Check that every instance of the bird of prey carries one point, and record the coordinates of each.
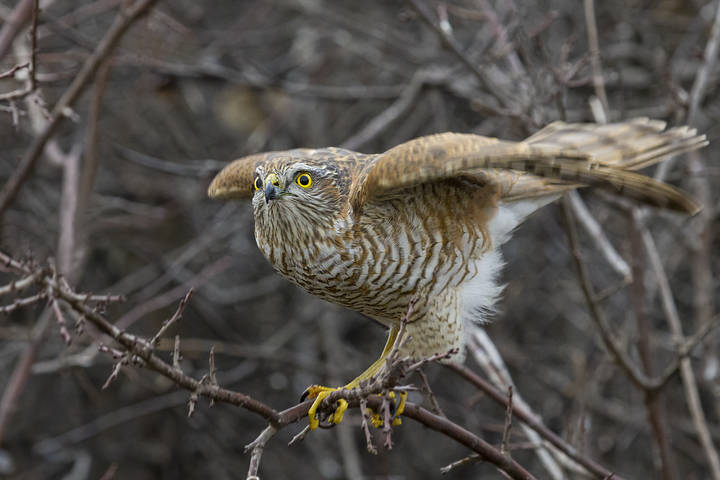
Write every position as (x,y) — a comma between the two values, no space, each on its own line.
(424,220)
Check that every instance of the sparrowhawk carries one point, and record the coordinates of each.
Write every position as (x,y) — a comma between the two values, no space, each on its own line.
(424,220)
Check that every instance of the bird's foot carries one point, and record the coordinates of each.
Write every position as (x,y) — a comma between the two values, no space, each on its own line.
(320,393)
(397,408)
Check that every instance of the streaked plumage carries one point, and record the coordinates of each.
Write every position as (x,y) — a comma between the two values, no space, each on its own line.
(425,218)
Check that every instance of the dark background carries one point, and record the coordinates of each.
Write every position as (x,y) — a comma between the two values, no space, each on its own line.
(196,84)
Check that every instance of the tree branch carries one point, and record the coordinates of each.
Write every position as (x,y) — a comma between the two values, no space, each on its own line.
(123,21)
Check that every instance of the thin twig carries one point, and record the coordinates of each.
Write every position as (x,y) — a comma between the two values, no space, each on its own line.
(175,318)
(14,69)
(212,371)
(16,286)
(697,92)
(685,348)
(527,418)
(22,302)
(655,413)
(33,45)
(397,109)
(447,38)
(686,373)
(124,19)
(300,436)
(623,360)
(592,227)
(429,393)
(13,23)
(474,458)
(68,214)
(141,348)
(499,92)
(487,355)
(60,318)
(487,452)
(176,353)
(257,446)
(699,87)
(124,414)
(139,351)
(16,384)
(505,444)
(31,84)
(594,44)
(366,428)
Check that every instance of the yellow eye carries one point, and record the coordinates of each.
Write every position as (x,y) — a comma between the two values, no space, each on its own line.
(257,183)
(304,180)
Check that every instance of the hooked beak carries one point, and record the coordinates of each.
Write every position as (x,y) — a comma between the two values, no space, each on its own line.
(272,187)
(271,192)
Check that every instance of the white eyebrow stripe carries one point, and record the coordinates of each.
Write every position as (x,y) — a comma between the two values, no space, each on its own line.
(305,166)
(299,167)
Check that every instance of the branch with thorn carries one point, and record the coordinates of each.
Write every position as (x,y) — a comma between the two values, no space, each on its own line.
(139,352)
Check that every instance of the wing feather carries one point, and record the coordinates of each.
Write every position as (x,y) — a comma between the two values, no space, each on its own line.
(557,158)
(235,180)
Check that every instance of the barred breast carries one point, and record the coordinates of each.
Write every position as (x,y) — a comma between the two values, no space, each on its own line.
(423,243)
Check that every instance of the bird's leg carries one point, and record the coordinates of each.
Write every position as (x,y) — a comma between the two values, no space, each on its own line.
(320,393)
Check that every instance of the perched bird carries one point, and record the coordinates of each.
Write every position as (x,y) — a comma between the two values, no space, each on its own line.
(424,220)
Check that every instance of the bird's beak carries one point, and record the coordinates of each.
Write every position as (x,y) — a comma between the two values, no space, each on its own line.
(272,187)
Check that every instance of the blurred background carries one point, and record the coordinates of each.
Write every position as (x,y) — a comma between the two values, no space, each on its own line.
(194,85)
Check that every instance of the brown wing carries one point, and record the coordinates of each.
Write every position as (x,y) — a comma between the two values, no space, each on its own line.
(557,158)
(235,180)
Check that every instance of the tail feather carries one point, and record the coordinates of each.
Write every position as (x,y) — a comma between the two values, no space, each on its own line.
(614,151)
(630,145)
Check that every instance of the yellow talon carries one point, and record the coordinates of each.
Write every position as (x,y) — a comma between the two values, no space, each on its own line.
(339,411)
(377,420)
(400,409)
(374,418)
(319,394)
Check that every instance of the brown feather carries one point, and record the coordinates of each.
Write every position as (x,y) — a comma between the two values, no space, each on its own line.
(424,219)
(559,157)
(235,180)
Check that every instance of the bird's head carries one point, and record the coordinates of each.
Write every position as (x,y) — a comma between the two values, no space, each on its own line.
(293,192)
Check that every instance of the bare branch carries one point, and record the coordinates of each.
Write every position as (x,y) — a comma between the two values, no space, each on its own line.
(125,18)
(592,227)
(397,109)
(22,302)
(688,377)
(594,44)
(655,411)
(498,397)
(31,83)
(14,69)
(623,360)
(703,74)
(257,446)
(19,285)
(175,318)
(19,377)
(505,444)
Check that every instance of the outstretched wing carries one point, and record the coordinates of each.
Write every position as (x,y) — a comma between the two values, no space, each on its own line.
(559,157)
(235,180)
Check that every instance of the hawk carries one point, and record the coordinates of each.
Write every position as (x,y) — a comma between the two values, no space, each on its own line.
(424,220)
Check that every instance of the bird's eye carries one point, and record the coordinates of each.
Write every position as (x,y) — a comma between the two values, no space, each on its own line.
(304,180)
(257,183)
